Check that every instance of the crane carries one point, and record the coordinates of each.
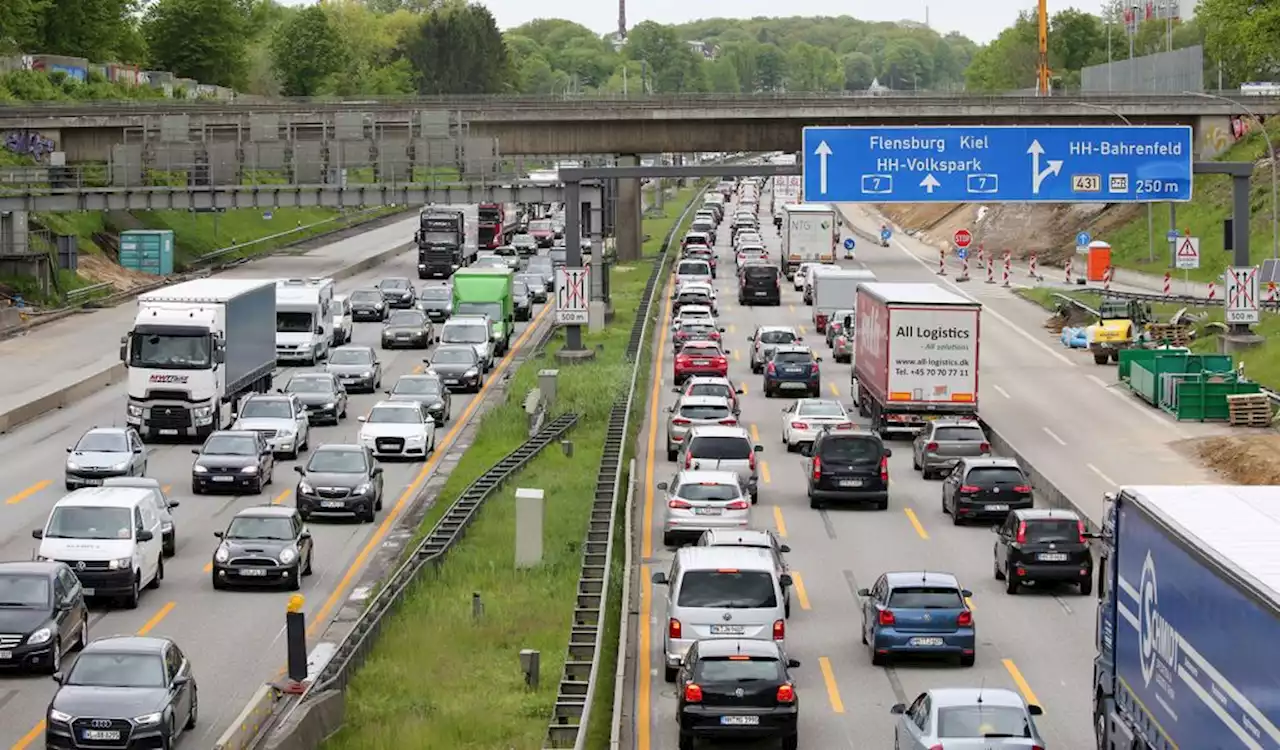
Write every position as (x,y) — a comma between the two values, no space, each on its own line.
(1042,60)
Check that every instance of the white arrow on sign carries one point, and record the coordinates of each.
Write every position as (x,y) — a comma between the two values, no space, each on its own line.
(929,183)
(1039,175)
(822,151)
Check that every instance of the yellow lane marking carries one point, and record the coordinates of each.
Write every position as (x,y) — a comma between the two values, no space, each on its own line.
(643,676)
(915,522)
(1027,693)
(284,495)
(156,618)
(646,533)
(737,356)
(733,328)
(28,492)
(835,391)
(764,473)
(166,489)
(744,389)
(755,434)
(801,594)
(803,330)
(829,678)
(791,308)
(969,601)
(778,522)
(208,567)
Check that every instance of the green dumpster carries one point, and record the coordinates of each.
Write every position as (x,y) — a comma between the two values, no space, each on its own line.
(1202,396)
(1130,356)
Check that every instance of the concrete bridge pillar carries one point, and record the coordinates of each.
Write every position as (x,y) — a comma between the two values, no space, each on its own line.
(628,213)
(14,234)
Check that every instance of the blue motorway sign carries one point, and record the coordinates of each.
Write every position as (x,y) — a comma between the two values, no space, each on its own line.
(1172,235)
(849,243)
(963,252)
(997,164)
(1083,239)
(885,234)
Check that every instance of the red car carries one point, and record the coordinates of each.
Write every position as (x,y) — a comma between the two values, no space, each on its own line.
(700,358)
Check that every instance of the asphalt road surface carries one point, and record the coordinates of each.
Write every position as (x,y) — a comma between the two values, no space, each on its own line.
(234,637)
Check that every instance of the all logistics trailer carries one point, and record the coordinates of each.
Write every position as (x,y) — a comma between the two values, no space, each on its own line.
(915,355)
(1188,618)
(195,348)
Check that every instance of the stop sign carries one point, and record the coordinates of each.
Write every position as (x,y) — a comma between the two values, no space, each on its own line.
(962,238)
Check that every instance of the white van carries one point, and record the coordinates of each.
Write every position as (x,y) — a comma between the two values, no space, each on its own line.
(342,323)
(304,320)
(112,537)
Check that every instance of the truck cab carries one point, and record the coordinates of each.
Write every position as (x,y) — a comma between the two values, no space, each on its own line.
(440,239)
(304,320)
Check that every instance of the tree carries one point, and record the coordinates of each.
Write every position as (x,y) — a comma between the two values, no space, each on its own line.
(722,77)
(1009,62)
(672,64)
(859,71)
(20,24)
(369,41)
(907,65)
(1076,40)
(458,49)
(99,30)
(201,39)
(306,50)
(811,68)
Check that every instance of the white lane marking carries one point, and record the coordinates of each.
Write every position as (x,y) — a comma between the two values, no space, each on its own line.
(1001,391)
(1102,476)
(987,310)
(1149,413)
(1057,439)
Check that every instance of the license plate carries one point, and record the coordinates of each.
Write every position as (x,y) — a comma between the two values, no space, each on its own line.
(850,482)
(6,655)
(706,511)
(101,734)
(701,362)
(87,591)
(997,506)
(332,504)
(926,641)
(91,482)
(1052,557)
(740,721)
(224,479)
(253,572)
(759,294)
(727,630)
(451,381)
(168,432)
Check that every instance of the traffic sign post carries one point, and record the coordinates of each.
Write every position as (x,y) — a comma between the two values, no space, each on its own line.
(572,286)
(962,238)
(885,234)
(1242,295)
(998,164)
(1186,254)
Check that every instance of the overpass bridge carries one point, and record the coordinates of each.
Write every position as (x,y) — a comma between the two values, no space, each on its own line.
(87,131)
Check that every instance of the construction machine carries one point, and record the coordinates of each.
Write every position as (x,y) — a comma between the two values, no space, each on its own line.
(1122,323)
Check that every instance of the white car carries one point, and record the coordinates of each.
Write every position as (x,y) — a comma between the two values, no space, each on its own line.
(692,270)
(700,313)
(342,323)
(399,429)
(280,417)
(704,288)
(801,274)
(805,419)
(749,253)
(750,238)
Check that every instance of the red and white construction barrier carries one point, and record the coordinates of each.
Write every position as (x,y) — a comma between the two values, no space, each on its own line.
(1032,268)
(1008,267)
(1106,279)
(991,269)
(964,269)
(1168,284)
(1213,290)
(942,262)
(1067,268)
(1272,293)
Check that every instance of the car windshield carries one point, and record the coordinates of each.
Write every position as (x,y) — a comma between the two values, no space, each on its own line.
(696,329)
(728,589)
(710,389)
(106,670)
(519,288)
(394,284)
(310,385)
(266,408)
(777,337)
(739,670)
(86,522)
(435,293)
(277,528)
(453,357)
(337,462)
(464,334)
(342,356)
(704,411)
(542,262)
(416,387)
(102,442)
(19,591)
(540,226)
(709,491)
(988,476)
(530,280)
(405,318)
(365,295)
(1053,530)
(971,722)
(968,434)
(699,349)
(761,272)
(230,445)
(925,597)
(394,415)
(851,449)
(721,448)
(821,409)
(793,358)
(694,268)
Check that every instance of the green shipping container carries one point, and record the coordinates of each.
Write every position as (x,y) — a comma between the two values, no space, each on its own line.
(1202,397)
(1145,377)
(1130,357)
(147,250)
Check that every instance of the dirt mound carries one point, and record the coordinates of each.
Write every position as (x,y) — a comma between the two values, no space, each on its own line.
(1247,459)
(98,269)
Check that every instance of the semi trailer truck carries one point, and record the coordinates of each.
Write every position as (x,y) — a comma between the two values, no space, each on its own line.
(809,232)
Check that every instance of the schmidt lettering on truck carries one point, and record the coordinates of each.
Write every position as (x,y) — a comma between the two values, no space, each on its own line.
(915,355)
(1188,619)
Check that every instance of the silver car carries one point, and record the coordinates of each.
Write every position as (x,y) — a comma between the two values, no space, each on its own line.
(755,539)
(474,331)
(701,500)
(979,718)
(942,443)
(766,339)
(694,411)
(712,386)
(356,367)
(105,452)
(723,448)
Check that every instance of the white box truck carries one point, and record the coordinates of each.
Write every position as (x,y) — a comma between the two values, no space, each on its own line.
(808,234)
(836,289)
(304,320)
(915,355)
(195,348)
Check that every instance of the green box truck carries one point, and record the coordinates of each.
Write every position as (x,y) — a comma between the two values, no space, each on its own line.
(487,291)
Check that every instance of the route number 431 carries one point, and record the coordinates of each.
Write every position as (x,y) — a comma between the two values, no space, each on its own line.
(1086,183)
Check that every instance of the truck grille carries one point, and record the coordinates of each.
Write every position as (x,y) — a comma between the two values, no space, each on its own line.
(169,418)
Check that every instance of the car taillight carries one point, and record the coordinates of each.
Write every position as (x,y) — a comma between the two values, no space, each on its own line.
(674,629)
(820,319)
(721,362)
(1080,529)
(692,693)
(739,505)
(799,425)
(779,630)
(968,489)
(772,370)
(884,470)
(964,619)
(813,368)
(931,447)
(751,460)
(682,360)
(688,460)
(1024,489)
(729,421)
(786,693)
(681,421)
(817,468)
(676,502)
(887,618)
(984,447)
(1022,533)
(715,336)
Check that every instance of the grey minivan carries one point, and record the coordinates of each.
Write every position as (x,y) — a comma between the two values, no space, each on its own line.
(723,448)
(721,592)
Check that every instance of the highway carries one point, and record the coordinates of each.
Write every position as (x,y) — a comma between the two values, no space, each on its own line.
(234,638)
(1048,404)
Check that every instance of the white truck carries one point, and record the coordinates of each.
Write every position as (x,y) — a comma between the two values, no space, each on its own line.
(808,233)
(836,289)
(304,320)
(471,246)
(195,348)
(915,355)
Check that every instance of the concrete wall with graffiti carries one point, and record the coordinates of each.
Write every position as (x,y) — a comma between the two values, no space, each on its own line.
(1216,134)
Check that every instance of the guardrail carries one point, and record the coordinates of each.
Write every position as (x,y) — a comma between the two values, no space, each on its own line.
(344,217)
(76,296)
(571,714)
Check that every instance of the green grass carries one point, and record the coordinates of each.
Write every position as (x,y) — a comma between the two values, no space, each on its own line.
(1261,363)
(1130,243)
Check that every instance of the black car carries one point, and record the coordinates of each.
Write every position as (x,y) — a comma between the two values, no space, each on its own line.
(1043,545)
(436,302)
(537,287)
(323,396)
(266,545)
(544,267)
(367,305)
(760,284)
(340,480)
(427,389)
(125,691)
(522,300)
(397,292)
(525,244)
(985,489)
(458,366)
(739,690)
(42,615)
(691,296)
(845,466)
(407,329)
(236,461)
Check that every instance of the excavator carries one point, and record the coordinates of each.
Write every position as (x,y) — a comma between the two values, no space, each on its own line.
(1122,323)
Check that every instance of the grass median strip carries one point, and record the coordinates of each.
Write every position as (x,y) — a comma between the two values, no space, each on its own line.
(441,678)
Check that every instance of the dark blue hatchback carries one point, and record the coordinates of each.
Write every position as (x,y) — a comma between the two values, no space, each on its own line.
(792,370)
(919,613)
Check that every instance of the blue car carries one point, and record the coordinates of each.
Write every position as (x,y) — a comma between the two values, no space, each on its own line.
(792,370)
(918,613)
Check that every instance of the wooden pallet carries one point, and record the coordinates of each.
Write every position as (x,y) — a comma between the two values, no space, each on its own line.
(1249,410)
(1174,335)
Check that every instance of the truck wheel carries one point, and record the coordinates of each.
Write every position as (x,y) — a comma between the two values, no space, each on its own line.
(1100,358)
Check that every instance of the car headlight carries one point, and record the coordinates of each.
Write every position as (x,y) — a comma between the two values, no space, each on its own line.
(330,405)
(133,410)
(287,556)
(148,719)
(40,636)
(199,469)
(364,489)
(42,558)
(58,716)
(73,466)
(305,488)
(166,526)
(249,470)
(471,373)
(120,466)
(287,434)
(222,555)
(121,564)
(366,374)
(377,306)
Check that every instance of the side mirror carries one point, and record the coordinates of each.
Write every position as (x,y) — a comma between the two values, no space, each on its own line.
(195,451)
(1035,710)
(56,677)
(817,359)
(219,356)
(319,329)
(181,680)
(785,579)
(300,471)
(739,391)
(721,330)
(799,339)
(173,504)
(63,605)
(662,486)
(377,471)
(966,593)
(70,449)
(784,548)
(306,534)
(387,392)
(888,452)
(145,536)
(898,708)
(758,449)
(675,389)
(864,592)
(218,534)
(37,533)
(995,529)
(138,449)
(660,578)
(360,418)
